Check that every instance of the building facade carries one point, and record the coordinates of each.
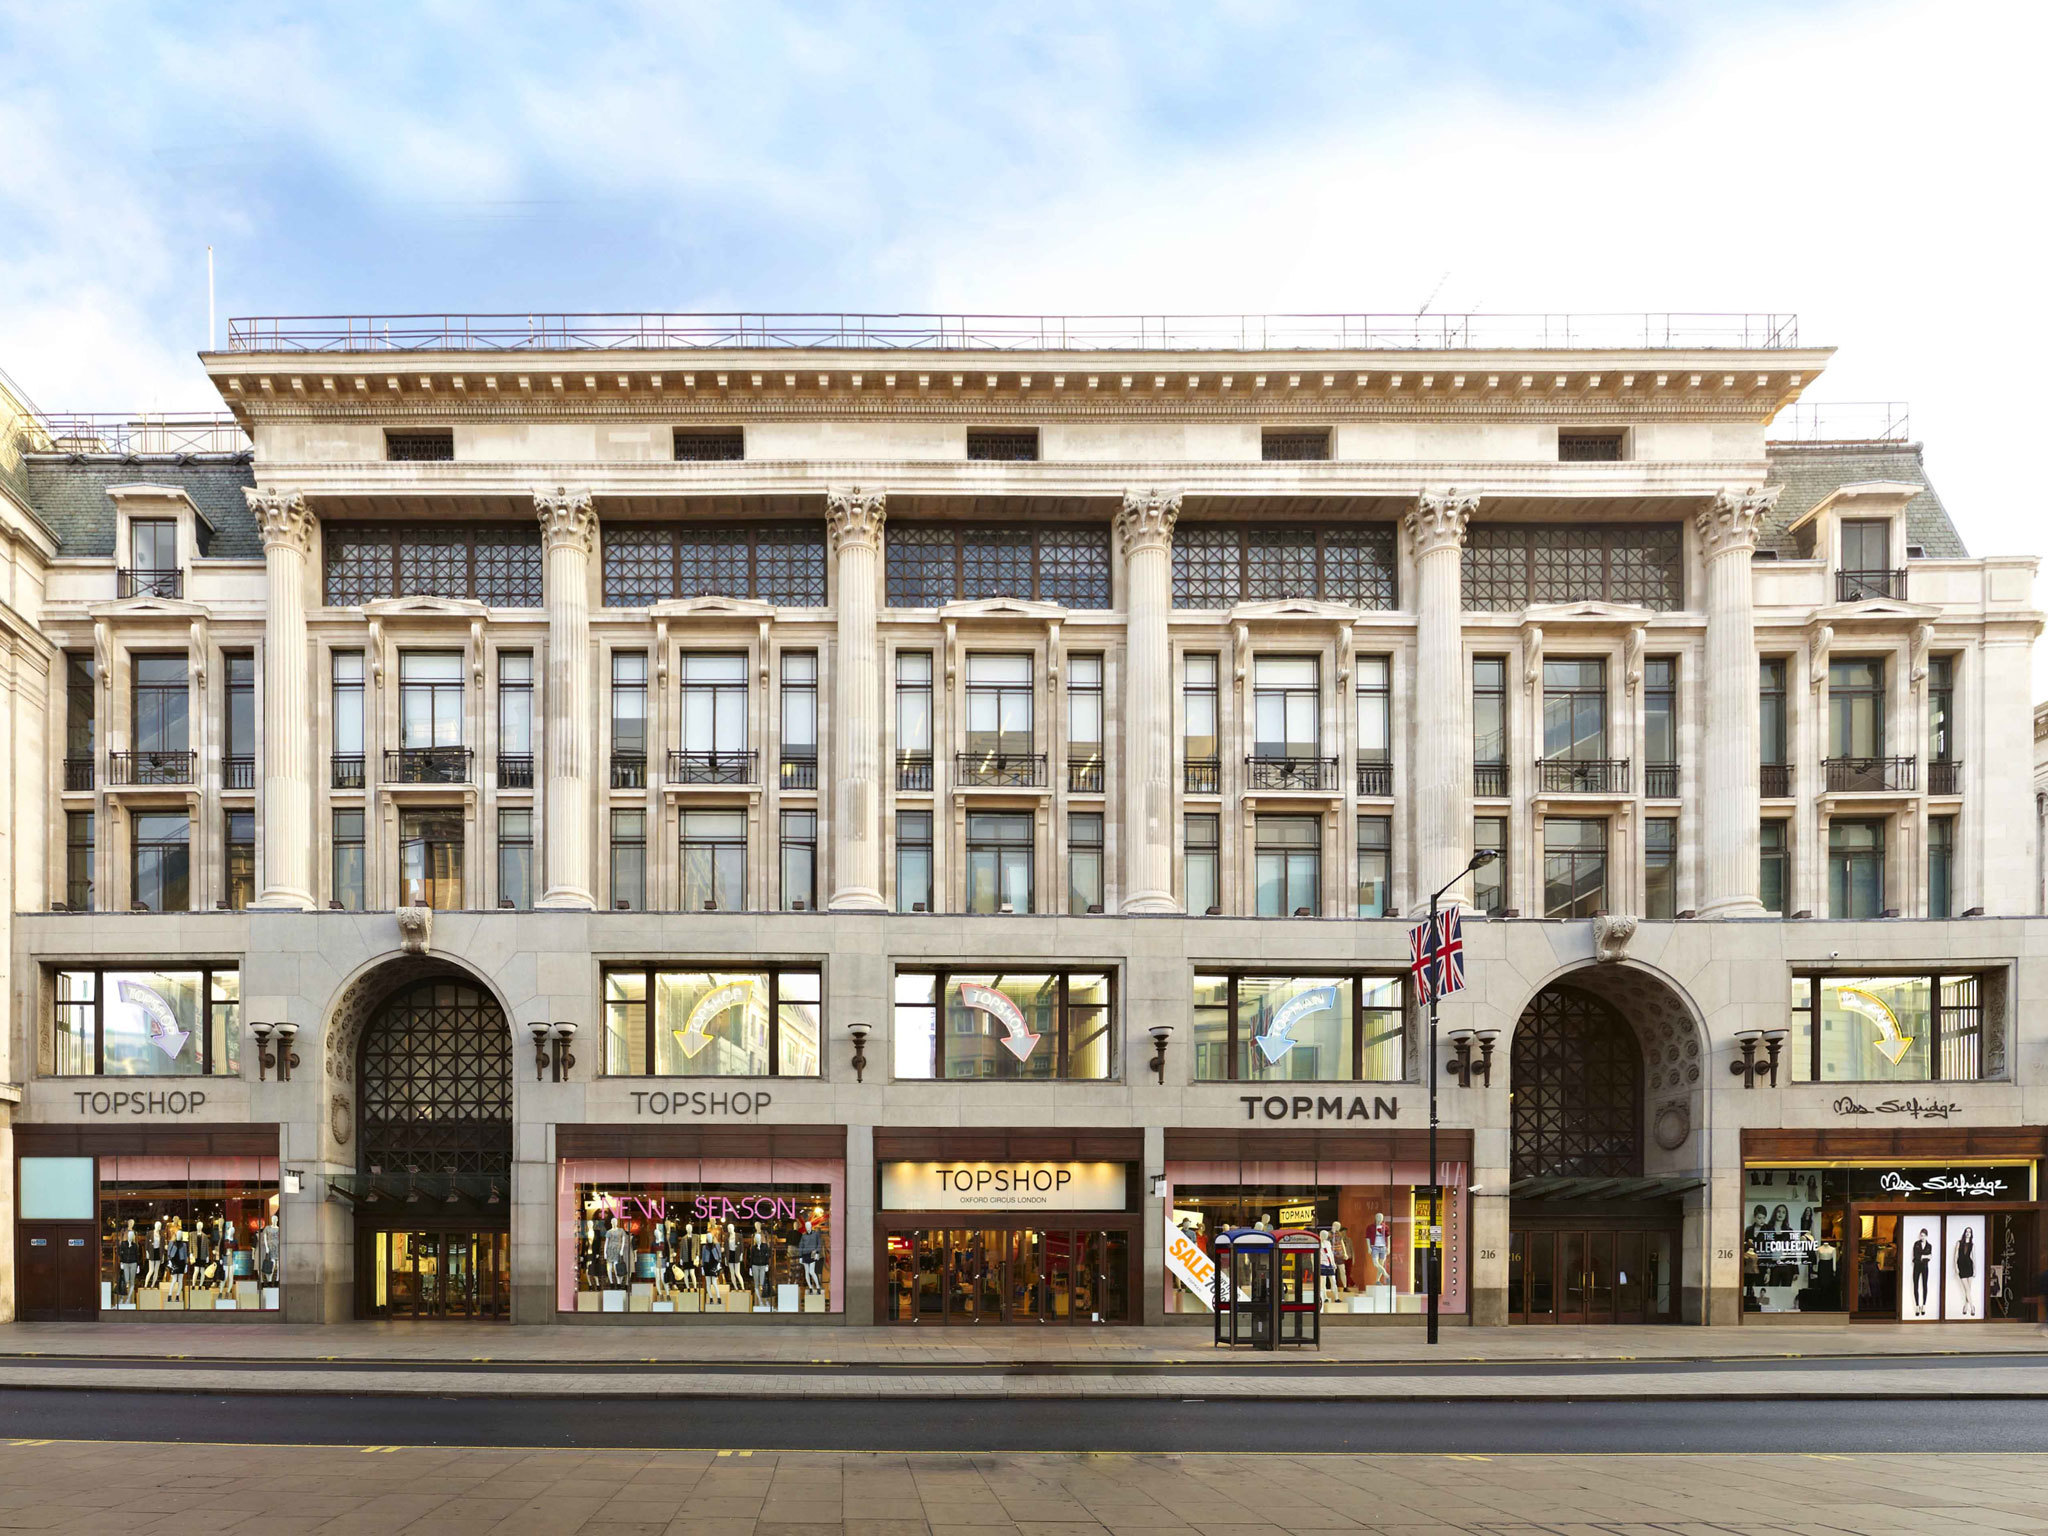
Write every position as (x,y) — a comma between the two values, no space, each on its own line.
(568,825)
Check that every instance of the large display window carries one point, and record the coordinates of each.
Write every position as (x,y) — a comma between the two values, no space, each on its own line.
(1294,1028)
(668,1023)
(1005,1025)
(146,1023)
(189,1234)
(1886,1029)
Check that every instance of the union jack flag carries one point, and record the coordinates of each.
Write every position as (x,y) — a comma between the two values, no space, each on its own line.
(1436,956)
(1422,960)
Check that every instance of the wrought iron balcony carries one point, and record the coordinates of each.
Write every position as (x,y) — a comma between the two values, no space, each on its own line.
(714,767)
(427,765)
(629,770)
(1660,781)
(1084,775)
(1871,775)
(1375,777)
(1774,781)
(1945,778)
(1489,780)
(77,773)
(515,770)
(914,770)
(347,770)
(799,770)
(129,582)
(1000,770)
(1204,776)
(1291,772)
(1583,775)
(1859,586)
(126,768)
(240,773)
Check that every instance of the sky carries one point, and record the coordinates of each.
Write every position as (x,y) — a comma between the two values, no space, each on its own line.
(1874,168)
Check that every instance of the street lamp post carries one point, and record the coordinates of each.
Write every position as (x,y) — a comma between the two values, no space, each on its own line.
(1437,1202)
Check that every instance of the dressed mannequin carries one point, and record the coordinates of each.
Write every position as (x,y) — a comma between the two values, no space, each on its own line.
(1340,1243)
(710,1262)
(202,1253)
(1327,1261)
(685,1258)
(658,1245)
(224,1245)
(177,1259)
(266,1253)
(810,1252)
(155,1273)
(128,1256)
(735,1260)
(618,1255)
(760,1259)
(1377,1244)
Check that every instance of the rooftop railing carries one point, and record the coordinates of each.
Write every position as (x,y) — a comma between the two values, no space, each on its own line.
(123,435)
(1006,333)
(1843,421)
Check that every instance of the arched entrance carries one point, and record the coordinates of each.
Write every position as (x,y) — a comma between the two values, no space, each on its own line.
(434,1154)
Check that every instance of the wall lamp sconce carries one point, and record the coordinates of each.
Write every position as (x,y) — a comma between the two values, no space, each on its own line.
(1464,1066)
(859,1032)
(551,1053)
(1749,1069)
(274,1050)
(1161,1033)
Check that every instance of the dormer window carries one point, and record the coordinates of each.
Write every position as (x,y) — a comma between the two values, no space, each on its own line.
(1866,568)
(153,559)
(420,447)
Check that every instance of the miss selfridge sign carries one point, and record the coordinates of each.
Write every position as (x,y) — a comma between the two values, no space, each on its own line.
(945,1186)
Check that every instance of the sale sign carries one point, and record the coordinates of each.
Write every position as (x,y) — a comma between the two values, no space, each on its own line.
(1192,1267)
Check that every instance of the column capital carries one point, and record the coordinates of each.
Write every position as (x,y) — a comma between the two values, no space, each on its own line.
(1147,519)
(854,515)
(281,516)
(1439,519)
(566,519)
(1728,524)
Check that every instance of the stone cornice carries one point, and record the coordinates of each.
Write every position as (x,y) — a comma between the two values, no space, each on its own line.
(1146,520)
(281,516)
(566,519)
(854,516)
(1728,524)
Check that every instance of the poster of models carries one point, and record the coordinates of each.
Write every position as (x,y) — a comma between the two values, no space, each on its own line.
(1920,1259)
(1962,1270)
(1786,1264)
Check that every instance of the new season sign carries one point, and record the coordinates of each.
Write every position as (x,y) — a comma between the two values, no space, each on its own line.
(1003,1186)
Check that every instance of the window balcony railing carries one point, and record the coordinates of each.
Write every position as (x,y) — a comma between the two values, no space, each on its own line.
(1204,776)
(1489,780)
(999,770)
(629,770)
(124,768)
(1871,775)
(139,583)
(1660,781)
(1944,778)
(1583,775)
(77,773)
(515,770)
(347,770)
(714,767)
(914,771)
(1085,775)
(1774,781)
(1291,772)
(799,770)
(1375,778)
(427,765)
(240,773)
(1859,586)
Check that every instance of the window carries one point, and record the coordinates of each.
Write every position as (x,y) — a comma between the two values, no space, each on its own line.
(1375,728)
(515,720)
(1287,866)
(799,719)
(629,860)
(1489,725)
(799,861)
(1328,1029)
(1660,727)
(1201,745)
(162,872)
(1575,709)
(1574,867)
(351,874)
(1292,443)
(710,445)
(1590,447)
(1203,856)
(712,1023)
(1221,565)
(1660,868)
(1886,1029)
(78,860)
(1287,707)
(153,547)
(241,859)
(1375,864)
(1512,565)
(426,447)
(161,703)
(1941,865)
(1856,708)
(430,858)
(913,861)
(714,861)
(714,720)
(496,565)
(1772,735)
(1084,725)
(240,689)
(1855,868)
(515,859)
(147,1023)
(1941,718)
(629,719)
(1774,875)
(429,699)
(927,567)
(999,859)
(999,706)
(1004,1025)
(346,685)
(766,563)
(914,720)
(81,719)
(1490,881)
(1084,863)
(1011,447)
(1867,547)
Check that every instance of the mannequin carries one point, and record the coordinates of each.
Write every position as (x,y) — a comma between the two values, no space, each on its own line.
(155,1274)
(735,1260)
(685,1256)
(1340,1243)
(177,1259)
(810,1252)
(1378,1244)
(202,1253)
(710,1263)
(1326,1261)
(224,1246)
(760,1259)
(618,1255)
(658,1244)
(128,1255)
(266,1253)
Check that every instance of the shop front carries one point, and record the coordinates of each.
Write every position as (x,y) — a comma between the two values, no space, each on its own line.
(1367,1195)
(1007,1227)
(1925,1225)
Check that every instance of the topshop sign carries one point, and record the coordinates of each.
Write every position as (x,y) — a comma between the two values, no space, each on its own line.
(1004,1186)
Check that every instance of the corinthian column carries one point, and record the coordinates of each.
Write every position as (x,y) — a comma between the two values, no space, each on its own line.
(1442,794)
(287,711)
(1145,530)
(1728,787)
(853,519)
(568,530)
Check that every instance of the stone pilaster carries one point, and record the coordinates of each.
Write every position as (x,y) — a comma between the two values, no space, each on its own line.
(568,529)
(1443,741)
(1727,528)
(288,841)
(1145,532)
(853,521)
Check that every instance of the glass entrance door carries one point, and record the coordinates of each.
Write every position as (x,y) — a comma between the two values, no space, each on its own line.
(1000,1275)
(443,1273)
(1591,1275)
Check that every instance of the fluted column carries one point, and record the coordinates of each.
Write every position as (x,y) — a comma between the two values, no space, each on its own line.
(853,519)
(1442,795)
(1145,531)
(1728,779)
(568,530)
(287,710)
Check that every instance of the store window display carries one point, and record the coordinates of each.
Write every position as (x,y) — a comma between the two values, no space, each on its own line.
(142,1023)
(182,1234)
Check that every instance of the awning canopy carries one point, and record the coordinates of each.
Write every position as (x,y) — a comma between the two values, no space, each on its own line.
(1582,1187)
(422,1194)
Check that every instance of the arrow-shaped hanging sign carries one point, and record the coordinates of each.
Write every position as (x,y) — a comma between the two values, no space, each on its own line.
(1892,1041)
(695,1033)
(164,1033)
(1276,1041)
(1017,1036)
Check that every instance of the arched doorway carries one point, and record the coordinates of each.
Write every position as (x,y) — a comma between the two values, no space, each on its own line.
(434,1154)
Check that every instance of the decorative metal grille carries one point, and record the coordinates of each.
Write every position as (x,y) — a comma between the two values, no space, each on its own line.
(1014,447)
(711,445)
(919,567)
(1578,1090)
(928,567)
(712,563)
(994,563)
(789,567)
(1280,564)
(434,1082)
(1511,566)
(1215,567)
(420,446)
(500,566)
(1206,567)
(1275,446)
(775,564)
(1073,567)
(1589,447)
(1358,566)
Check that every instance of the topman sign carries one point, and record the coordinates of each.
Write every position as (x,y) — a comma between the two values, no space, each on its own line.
(1320,1106)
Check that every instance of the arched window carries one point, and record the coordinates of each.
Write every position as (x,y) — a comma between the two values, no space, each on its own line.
(434,1083)
(1578,1090)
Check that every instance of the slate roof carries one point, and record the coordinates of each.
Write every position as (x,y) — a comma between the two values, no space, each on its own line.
(71,496)
(1808,471)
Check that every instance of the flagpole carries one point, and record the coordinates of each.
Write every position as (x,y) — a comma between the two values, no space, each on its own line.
(1433,1250)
